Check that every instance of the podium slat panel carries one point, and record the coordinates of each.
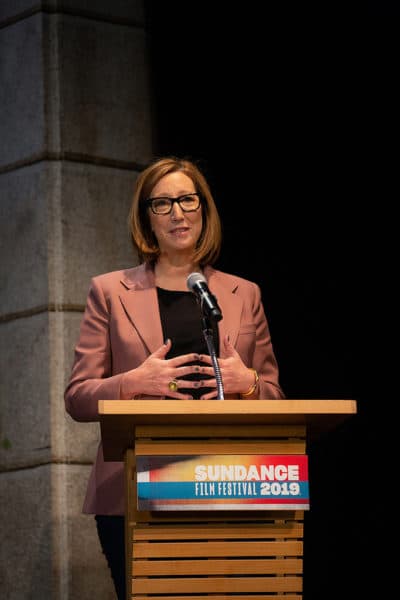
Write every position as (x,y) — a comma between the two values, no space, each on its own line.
(207,517)
(227,431)
(273,595)
(217,584)
(239,566)
(215,531)
(223,446)
(216,548)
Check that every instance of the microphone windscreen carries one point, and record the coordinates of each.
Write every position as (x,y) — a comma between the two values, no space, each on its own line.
(194,278)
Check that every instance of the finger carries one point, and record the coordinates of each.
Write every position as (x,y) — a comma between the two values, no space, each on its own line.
(194,369)
(229,348)
(177,394)
(209,396)
(183,359)
(163,350)
(205,358)
(209,383)
(184,397)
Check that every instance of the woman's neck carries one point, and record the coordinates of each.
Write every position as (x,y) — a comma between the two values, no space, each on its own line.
(173,276)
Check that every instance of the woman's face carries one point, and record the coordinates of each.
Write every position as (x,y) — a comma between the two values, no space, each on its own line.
(178,231)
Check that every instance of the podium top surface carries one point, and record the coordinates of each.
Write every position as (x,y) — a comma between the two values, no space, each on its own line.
(118,418)
(225,411)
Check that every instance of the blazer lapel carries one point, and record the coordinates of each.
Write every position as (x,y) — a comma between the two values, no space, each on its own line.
(231,305)
(141,306)
(139,299)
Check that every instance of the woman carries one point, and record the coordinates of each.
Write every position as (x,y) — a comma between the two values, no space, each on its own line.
(142,332)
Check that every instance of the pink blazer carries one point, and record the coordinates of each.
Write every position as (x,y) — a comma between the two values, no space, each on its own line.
(121,327)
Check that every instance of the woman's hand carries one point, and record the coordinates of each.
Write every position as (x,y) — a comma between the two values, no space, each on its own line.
(236,377)
(154,375)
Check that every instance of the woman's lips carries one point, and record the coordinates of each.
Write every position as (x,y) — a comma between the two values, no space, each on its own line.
(179,231)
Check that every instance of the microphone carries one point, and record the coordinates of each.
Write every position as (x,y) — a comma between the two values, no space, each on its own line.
(197,283)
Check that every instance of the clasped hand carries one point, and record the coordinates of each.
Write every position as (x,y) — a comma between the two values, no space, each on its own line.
(154,375)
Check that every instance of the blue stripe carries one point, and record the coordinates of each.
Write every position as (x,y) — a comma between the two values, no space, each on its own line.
(189,490)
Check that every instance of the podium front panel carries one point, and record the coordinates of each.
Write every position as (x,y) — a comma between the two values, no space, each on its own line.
(241,554)
(213,554)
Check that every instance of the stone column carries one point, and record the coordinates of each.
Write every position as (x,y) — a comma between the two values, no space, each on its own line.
(75,128)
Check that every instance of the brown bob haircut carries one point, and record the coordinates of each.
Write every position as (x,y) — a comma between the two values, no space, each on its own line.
(143,238)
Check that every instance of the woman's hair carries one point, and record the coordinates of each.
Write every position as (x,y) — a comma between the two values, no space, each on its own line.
(143,238)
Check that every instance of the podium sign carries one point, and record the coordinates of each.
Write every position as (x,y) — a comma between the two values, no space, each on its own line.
(222,482)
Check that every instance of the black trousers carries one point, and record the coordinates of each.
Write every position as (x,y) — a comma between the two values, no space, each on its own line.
(111,532)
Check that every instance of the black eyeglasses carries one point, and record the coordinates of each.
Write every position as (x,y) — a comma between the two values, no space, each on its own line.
(163,205)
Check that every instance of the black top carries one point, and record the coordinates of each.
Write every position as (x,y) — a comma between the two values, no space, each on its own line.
(181,321)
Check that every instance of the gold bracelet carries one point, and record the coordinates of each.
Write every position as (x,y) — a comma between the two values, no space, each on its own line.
(252,388)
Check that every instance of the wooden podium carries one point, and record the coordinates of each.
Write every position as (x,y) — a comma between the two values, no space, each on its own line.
(213,554)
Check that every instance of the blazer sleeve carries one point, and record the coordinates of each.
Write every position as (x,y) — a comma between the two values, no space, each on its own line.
(264,360)
(91,377)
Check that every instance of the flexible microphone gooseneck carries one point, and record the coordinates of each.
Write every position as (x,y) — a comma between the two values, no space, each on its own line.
(197,283)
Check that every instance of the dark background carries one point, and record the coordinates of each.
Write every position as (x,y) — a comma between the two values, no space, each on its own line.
(286,115)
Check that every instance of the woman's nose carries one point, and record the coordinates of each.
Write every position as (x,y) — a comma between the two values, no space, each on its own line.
(176,211)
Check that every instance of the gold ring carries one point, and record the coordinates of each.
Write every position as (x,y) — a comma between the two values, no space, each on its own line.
(173,385)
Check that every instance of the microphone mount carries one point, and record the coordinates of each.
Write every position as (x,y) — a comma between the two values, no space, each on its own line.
(211,312)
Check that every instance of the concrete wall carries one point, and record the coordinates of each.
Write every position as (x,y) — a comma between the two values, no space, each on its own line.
(75,128)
